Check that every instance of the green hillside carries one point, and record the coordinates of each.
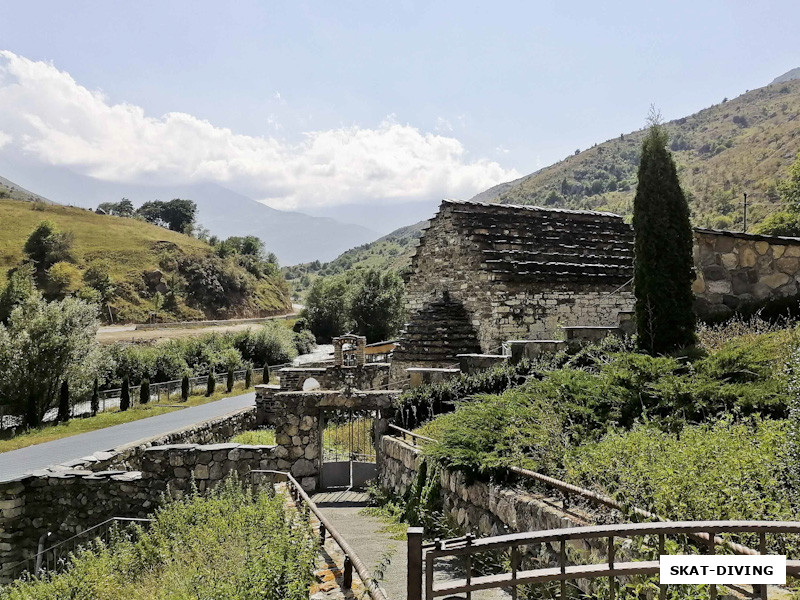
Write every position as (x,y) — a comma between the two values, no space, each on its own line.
(741,145)
(391,252)
(152,269)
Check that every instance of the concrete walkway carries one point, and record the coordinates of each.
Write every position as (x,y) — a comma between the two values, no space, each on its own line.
(19,462)
(364,534)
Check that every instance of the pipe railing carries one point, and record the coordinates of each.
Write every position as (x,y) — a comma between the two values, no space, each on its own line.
(351,561)
(51,558)
(410,434)
(467,546)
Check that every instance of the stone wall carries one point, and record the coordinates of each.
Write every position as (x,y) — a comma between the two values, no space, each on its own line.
(736,270)
(66,503)
(296,419)
(334,377)
(181,464)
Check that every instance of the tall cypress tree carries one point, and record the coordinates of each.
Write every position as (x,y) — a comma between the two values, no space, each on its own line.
(144,391)
(95,402)
(125,395)
(63,403)
(663,266)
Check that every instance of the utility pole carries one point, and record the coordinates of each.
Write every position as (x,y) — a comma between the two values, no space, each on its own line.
(745,213)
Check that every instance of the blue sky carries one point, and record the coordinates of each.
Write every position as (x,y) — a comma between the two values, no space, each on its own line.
(364,101)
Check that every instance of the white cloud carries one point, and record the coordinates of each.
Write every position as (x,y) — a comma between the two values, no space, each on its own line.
(48,116)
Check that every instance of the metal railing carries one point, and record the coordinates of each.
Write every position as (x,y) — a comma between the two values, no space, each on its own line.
(405,433)
(351,560)
(56,557)
(467,547)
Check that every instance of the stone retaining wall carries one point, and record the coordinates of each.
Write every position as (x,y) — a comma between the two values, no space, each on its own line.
(180,464)
(740,269)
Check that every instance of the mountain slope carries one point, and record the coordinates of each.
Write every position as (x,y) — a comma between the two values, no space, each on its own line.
(742,145)
(9,189)
(294,237)
(392,252)
(143,261)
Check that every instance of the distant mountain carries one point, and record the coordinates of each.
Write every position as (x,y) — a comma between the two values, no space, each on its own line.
(741,145)
(293,236)
(383,216)
(9,189)
(788,76)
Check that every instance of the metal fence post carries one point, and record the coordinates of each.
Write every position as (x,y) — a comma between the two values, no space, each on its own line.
(414,573)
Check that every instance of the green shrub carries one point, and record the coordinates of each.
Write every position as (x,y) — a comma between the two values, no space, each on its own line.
(248,378)
(211,384)
(185,388)
(232,544)
(725,470)
(125,395)
(144,391)
(229,381)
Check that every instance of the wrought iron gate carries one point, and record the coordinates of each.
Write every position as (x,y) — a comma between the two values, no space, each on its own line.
(348,447)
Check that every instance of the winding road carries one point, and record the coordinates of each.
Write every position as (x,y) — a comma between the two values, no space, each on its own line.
(16,463)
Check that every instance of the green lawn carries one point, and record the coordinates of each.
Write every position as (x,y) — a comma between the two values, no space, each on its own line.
(48,433)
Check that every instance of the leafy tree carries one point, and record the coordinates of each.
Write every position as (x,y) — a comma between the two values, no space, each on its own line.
(125,208)
(63,403)
(19,287)
(98,277)
(185,388)
(95,402)
(789,188)
(43,344)
(211,384)
(125,395)
(144,391)
(179,215)
(327,307)
(46,246)
(63,278)
(663,265)
(377,307)
(152,212)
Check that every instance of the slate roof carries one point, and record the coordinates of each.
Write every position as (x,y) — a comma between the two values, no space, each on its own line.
(535,244)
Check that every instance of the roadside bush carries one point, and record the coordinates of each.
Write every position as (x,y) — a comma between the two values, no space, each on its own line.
(233,543)
(725,470)
(304,341)
(211,384)
(144,391)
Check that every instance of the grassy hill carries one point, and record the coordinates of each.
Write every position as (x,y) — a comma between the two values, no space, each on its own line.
(741,145)
(391,252)
(145,262)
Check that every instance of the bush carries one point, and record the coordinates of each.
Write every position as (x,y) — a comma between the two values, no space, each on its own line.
(701,474)
(144,391)
(95,401)
(233,544)
(211,384)
(304,341)
(125,395)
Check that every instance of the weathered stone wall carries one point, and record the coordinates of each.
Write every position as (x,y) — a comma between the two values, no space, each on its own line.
(483,508)
(364,377)
(740,269)
(179,465)
(66,503)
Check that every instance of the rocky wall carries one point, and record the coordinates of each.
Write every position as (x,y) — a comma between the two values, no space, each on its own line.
(736,270)
(181,464)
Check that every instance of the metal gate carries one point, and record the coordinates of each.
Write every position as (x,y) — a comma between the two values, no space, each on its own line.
(348,447)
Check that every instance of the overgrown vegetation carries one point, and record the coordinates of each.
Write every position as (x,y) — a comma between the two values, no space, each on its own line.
(233,543)
(135,270)
(366,302)
(704,436)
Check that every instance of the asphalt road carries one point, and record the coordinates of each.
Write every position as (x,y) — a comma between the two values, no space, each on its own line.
(19,462)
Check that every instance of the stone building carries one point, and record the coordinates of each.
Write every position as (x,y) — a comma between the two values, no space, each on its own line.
(484,274)
(487,273)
